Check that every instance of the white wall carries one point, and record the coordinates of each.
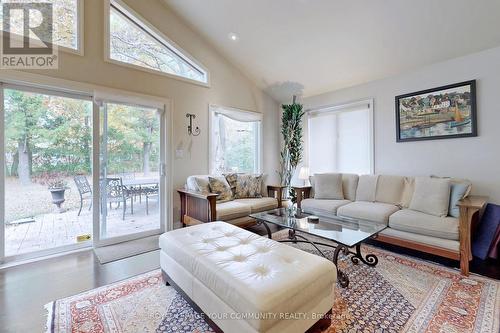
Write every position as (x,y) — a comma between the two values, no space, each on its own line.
(229,87)
(477,159)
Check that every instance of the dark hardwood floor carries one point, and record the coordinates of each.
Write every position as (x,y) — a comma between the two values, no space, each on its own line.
(25,289)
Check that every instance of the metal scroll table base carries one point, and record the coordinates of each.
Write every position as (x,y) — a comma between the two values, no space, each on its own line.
(356,256)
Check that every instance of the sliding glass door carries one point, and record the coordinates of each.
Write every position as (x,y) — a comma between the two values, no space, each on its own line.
(131,173)
(50,198)
(47,147)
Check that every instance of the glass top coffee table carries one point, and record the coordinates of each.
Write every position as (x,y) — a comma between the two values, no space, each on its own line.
(347,233)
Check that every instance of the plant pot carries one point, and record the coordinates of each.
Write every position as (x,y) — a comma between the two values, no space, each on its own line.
(58,196)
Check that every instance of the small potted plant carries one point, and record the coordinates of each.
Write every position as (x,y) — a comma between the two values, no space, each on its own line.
(57,186)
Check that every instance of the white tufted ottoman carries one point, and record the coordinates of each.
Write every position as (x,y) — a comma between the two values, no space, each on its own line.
(247,283)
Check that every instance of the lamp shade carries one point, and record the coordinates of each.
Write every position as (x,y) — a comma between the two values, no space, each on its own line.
(304,173)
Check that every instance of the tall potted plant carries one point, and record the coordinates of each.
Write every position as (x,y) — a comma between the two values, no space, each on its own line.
(291,153)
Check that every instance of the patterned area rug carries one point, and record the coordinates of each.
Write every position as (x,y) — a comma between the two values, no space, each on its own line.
(400,294)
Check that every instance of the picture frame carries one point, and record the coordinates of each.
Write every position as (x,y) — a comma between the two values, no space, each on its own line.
(444,112)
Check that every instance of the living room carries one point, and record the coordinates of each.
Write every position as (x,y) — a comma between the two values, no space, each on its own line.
(249,166)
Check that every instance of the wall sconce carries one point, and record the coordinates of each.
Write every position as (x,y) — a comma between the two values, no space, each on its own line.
(196,131)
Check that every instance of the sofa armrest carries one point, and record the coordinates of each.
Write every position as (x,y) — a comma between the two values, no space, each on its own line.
(302,192)
(276,191)
(471,209)
(197,207)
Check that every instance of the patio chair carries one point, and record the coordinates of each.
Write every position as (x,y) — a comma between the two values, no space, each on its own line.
(135,191)
(151,192)
(83,186)
(117,193)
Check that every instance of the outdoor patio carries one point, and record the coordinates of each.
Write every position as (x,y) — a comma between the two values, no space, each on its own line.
(54,229)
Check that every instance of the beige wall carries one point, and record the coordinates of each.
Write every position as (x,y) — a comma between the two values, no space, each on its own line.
(477,159)
(229,87)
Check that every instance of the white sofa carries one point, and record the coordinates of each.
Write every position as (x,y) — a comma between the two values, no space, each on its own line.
(386,199)
(199,205)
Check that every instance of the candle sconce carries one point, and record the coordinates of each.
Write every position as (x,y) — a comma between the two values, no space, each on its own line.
(197,130)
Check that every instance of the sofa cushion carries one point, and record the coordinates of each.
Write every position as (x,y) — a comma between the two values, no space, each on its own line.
(322,207)
(408,189)
(371,211)
(220,186)
(448,244)
(459,188)
(389,189)
(367,186)
(349,185)
(328,186)
(431,196)
(259,204)
(424,224)
(232,209)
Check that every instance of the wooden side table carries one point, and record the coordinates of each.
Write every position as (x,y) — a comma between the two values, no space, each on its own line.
(276,191)
(302,192)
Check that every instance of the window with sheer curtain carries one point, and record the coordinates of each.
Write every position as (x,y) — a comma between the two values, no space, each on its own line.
(341,139)
(235,140)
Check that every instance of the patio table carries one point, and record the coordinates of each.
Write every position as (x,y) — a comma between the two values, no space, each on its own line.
(141,182)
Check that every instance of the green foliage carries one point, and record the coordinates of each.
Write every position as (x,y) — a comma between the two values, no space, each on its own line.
(129,129)
(291,130)
(58,132)
(22,114)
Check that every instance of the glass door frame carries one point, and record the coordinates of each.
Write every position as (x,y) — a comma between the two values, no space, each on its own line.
(165,195)
(45,252)
(67,88)
(2,176)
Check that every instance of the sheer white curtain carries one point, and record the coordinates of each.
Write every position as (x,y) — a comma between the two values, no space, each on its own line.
(235,140)
(341,139)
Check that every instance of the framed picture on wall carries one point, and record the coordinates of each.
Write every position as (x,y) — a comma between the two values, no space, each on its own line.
(439,113)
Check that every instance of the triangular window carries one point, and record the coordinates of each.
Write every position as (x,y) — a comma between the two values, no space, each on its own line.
(135,42)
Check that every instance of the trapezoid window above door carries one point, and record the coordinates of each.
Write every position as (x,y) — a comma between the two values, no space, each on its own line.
(133,41)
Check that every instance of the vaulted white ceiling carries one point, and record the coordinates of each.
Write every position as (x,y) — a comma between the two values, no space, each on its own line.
(324,45)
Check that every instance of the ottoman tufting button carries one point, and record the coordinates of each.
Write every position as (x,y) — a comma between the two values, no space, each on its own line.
(239,258)
(262,270)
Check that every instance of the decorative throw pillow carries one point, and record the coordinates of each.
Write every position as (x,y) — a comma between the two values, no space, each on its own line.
(328,186)
(220,186)
(431,196)
(248,186)
(367,186)
(459,190)
(232,178)
(202,184)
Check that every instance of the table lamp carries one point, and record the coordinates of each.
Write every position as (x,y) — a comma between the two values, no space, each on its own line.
(304,175)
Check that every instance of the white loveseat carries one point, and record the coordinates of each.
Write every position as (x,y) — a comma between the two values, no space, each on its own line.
(199,205)
(388,199)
